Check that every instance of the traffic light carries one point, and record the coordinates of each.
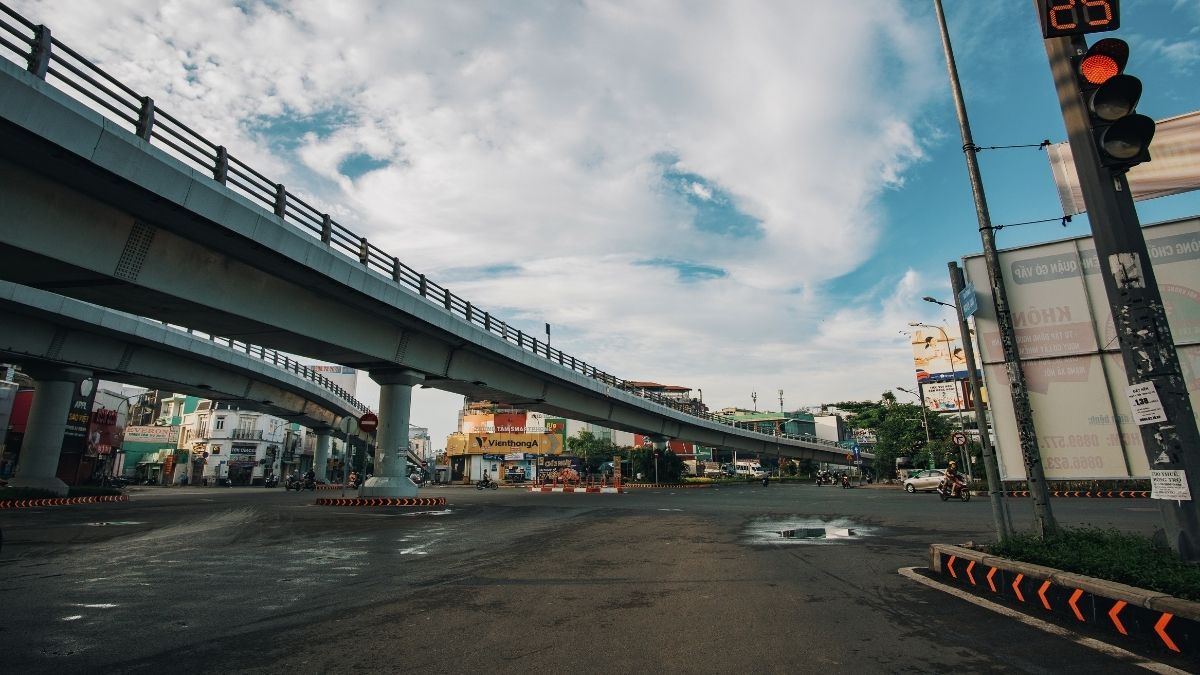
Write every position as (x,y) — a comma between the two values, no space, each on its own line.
(1122,136)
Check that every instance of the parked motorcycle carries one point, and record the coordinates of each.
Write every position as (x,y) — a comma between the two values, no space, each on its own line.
(956,490)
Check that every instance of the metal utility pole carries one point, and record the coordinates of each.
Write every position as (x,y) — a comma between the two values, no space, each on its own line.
(780,401)
(1000,516)
(1170,439)
(754,397)
(1043,515)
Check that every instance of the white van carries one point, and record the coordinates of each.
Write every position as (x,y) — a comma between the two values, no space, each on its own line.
(749,470)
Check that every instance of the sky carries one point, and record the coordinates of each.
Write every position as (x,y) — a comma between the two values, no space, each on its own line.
(739,197)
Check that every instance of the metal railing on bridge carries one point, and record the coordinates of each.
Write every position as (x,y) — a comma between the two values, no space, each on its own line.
(56,63)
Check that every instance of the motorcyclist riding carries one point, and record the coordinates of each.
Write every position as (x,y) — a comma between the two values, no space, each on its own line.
(953,479)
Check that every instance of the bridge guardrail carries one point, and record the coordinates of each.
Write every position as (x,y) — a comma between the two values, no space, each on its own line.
(277,359)
(56,63)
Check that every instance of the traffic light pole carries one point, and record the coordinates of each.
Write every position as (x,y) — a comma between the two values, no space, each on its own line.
(1147,348)
(1035,477)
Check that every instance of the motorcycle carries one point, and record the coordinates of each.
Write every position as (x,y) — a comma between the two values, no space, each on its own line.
(766,480)
(487,483)
(955,490)
(298,483)
(845,482)
(824,479)
(271,481)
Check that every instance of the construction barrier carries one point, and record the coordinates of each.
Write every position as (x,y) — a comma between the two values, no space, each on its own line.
(382,501)
(1127,612)
(60,501)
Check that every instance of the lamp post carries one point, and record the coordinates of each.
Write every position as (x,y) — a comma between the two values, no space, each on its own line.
(1000,514)
(924,416)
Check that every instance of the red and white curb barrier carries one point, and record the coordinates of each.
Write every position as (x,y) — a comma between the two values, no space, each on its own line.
(60,501)
(593,490)
(669,485)
(382,501)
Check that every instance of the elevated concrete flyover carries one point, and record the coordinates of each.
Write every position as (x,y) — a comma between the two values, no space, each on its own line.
(138,213)
(60,341)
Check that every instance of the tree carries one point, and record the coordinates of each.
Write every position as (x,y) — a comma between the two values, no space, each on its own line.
(592,449)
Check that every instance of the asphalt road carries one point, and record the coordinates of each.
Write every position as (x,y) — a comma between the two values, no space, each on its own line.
(215,580)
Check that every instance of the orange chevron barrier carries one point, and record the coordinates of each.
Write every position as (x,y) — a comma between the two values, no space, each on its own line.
(1162,622)
(381,501)
(60,501)
(1127,494)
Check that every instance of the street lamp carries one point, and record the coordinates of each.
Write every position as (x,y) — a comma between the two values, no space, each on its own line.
(924,416)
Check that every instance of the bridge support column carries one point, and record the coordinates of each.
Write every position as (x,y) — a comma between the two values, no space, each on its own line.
(391,465)
(40,450)
(321,459)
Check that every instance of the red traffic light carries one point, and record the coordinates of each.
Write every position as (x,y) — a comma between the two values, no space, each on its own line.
(1104,61)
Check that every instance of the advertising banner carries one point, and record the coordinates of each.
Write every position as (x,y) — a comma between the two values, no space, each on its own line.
(947,396)
(503,444)
(937,355)
(509,423)
(1175,165)
(478,423)
(164,435)
(1073,368)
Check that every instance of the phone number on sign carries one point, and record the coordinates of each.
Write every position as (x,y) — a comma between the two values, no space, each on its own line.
(1063,463)
(1072,441)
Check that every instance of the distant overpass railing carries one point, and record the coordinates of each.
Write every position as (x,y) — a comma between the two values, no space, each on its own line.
(277,359)
(56,63)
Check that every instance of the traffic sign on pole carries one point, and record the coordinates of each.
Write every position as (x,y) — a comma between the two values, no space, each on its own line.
(368,422)
(959,438)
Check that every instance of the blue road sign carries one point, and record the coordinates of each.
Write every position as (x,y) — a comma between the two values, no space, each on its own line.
(966,300)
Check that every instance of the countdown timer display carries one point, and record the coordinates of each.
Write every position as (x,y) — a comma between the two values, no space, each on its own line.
(1075,17)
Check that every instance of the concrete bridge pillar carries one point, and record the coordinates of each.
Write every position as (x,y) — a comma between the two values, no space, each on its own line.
(40,450)
(391,466)
(321,459)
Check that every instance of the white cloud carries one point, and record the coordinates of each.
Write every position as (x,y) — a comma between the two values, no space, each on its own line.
(527,135)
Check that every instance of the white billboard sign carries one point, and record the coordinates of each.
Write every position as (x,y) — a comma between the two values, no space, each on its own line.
(150,434)
(1078,390)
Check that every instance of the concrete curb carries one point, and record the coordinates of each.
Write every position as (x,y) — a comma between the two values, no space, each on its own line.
(686,486)
(60,501)
(1131,613)
(591,490)
(381,501)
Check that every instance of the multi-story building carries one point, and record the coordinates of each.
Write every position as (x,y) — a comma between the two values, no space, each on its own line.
(239,447)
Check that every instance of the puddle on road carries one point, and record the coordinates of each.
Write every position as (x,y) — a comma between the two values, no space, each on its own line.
(810,531)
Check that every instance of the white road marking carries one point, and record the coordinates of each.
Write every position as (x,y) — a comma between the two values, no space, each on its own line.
(1102,647)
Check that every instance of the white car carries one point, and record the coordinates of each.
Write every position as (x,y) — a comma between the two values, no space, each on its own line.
(925,480)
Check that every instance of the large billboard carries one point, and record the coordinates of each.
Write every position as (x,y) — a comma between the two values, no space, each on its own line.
(1069,352)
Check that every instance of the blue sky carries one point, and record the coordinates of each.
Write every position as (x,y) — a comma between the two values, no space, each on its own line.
(733,196)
